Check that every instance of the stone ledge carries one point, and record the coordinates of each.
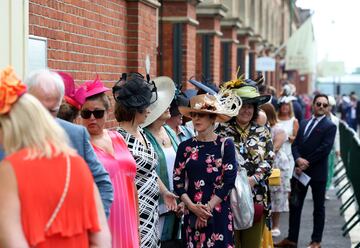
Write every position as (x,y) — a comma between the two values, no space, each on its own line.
(180,19)
(230,40)
(231,22)
(246,31)
(243,46)
(152,3)
(211,9)
(209,31)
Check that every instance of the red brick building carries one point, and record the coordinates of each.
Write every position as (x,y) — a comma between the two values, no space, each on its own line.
(184,38)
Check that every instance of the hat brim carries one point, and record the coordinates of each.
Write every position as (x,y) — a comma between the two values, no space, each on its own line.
(166,92)
(260,100)
(203,87)
(186,111)
(96,91)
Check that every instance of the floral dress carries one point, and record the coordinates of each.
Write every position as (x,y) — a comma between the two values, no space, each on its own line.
(279,194)
(255,149)
(148,188)
(208,174)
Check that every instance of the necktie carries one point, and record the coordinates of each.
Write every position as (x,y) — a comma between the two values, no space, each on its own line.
(308,130)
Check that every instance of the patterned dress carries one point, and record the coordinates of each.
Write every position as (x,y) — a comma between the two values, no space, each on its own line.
(255,155)
(208,174)
(279,194)
(148,188)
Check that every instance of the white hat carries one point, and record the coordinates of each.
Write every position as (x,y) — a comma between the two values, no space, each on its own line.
(165,94)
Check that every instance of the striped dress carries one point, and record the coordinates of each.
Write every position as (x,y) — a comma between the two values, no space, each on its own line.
(148,188)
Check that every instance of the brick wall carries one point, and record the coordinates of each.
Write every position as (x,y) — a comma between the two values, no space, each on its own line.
(84,38)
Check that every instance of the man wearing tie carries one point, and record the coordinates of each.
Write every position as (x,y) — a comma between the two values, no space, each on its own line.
(310,149)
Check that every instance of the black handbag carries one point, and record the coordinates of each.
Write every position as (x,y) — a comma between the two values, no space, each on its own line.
(175,242)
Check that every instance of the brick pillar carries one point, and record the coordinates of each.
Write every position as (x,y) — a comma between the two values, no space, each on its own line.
(208,52)
(177,36)
(229,43)
(209,14)
(142,34)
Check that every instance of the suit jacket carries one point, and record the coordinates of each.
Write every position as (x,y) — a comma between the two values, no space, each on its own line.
(315,148)
(80,141)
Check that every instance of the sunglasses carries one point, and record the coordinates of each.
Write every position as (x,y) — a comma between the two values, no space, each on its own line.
(200,115)
(98,114)
(325,105)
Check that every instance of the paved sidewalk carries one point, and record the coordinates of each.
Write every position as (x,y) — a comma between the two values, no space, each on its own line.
(332,237)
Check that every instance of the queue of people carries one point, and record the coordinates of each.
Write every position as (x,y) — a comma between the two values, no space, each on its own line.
(152,181)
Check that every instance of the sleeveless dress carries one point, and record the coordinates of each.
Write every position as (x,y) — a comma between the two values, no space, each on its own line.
(122,170)
(279,194)
(288,126)
(208,173)
(148,188)
(40,184)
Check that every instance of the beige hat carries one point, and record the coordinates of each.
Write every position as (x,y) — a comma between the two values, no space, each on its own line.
(165,91)
(224,109)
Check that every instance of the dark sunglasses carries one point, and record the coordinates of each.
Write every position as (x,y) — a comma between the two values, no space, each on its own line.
(325,105)
(200,115)
(98,114)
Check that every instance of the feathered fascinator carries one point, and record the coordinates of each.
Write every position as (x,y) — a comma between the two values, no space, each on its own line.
(74,97)
(224,105)
(11,89)
(94,87)
(246,89)
(134,92)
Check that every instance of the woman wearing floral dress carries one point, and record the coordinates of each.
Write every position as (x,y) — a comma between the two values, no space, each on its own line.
(279,193)
(210,176)
(133,95)
(255,149)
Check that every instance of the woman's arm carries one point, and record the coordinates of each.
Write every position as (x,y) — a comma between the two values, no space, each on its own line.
(11,232)
(295,130)
(169,197)
(103,237)
(279,139)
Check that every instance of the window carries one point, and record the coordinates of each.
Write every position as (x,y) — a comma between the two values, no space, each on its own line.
(226,61)
(206,56)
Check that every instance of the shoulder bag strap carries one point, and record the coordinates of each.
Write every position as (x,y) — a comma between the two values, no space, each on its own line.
(63,195)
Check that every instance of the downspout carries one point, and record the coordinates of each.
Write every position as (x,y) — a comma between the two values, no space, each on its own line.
(160,50)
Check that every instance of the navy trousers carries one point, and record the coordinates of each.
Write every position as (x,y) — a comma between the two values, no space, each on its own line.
(297,197)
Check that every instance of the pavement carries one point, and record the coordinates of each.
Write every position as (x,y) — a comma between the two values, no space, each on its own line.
(332,237)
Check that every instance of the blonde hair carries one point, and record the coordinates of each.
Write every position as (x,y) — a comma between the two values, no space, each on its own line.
(291,112)
(30,125)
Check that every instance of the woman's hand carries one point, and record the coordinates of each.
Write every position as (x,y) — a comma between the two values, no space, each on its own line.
(201,211)
(170,200)
(200,223)
(180,209)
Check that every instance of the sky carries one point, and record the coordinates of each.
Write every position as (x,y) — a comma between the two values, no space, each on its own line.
(337,30)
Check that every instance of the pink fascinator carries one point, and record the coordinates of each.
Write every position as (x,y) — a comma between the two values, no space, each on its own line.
(73,96)
(94,87)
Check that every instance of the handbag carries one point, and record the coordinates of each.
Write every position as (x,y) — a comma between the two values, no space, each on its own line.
(176,241)
(275,177)
(241,200)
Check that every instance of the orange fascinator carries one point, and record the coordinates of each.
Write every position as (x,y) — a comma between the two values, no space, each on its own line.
(11,88)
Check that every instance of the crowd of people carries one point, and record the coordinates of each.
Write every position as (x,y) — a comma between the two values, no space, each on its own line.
(163,176)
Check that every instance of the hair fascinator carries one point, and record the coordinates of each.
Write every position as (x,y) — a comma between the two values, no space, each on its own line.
(247,89)
(94,87)
(74,97)
(133,91)
(11,88)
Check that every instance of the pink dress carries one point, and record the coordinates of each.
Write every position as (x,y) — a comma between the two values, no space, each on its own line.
(123,221)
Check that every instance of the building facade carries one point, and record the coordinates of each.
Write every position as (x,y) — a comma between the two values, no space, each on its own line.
(205,39)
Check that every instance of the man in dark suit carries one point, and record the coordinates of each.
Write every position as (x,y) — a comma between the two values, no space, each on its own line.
(310,149)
